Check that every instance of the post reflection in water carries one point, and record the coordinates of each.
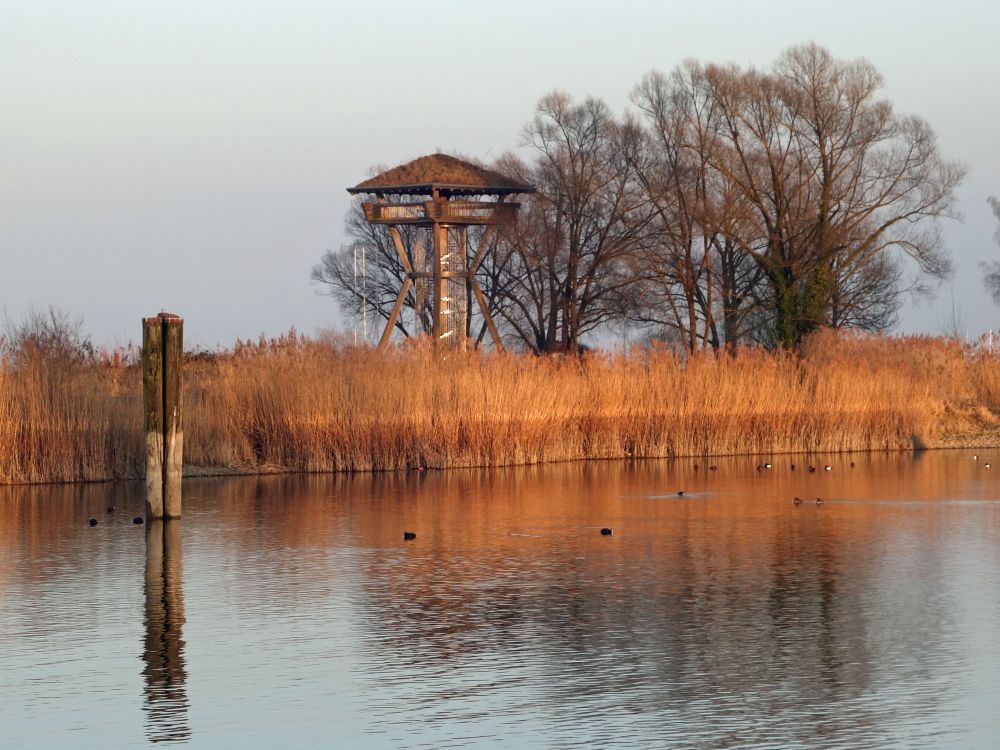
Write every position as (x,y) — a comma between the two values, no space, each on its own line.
(166,702)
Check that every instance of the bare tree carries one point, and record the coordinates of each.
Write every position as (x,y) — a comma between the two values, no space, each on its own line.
(577,231)
(789,198)
(672,171)
(365,275)
(50,344)
(865,292)
(834,177)
(693,272)
(51,336)
(991,271)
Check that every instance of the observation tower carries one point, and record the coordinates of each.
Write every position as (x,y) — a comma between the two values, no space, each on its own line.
(442,198)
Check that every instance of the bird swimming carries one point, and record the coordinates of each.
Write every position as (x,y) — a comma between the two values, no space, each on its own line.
(797,501)
(409,536)
(137,520)
(607,532)
(92,522)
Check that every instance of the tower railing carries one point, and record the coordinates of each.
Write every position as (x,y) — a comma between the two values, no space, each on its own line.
(465,212)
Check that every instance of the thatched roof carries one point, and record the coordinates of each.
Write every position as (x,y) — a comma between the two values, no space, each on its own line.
(441,172)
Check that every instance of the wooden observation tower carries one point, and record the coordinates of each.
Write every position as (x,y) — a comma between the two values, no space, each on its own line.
(441,197)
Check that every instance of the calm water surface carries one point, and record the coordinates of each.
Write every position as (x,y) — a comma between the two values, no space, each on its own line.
(288,611)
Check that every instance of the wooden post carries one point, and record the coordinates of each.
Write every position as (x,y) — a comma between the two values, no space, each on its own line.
(162,378)
(173,444)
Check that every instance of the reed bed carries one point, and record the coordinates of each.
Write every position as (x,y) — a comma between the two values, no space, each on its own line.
(296,404)
(66,421)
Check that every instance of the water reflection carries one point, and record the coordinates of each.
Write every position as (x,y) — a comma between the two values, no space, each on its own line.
(729,617)
(164,673)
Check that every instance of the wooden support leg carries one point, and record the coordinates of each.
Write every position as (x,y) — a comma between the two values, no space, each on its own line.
(484,243)
(384,341)
(397,240)
(486,314)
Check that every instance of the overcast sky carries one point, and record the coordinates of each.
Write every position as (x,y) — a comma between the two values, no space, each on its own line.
(192,156)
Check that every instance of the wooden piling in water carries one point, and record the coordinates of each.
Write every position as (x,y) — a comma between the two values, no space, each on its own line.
(162,379)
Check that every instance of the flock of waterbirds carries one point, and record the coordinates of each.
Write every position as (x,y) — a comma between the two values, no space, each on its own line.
(409,536)
(767,467)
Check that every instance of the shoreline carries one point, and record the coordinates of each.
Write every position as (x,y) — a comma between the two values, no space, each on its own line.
(982,440)
(979,441)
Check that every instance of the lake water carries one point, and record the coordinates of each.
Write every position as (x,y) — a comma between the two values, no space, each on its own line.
(289,612)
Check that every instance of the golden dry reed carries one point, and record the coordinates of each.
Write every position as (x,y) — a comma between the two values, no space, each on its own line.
(295,404)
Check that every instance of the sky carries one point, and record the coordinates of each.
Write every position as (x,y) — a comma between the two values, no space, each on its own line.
(193,156)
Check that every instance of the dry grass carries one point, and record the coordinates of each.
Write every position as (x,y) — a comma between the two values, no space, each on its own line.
(295,404)
(68,421)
